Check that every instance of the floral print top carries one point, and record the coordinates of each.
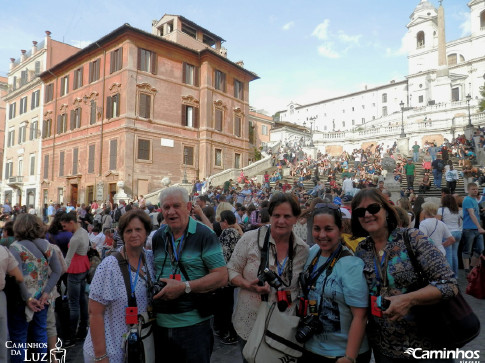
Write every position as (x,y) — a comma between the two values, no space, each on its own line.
(392,338)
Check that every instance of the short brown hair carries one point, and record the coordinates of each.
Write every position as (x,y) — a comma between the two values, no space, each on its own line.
(132,214)
(28,227)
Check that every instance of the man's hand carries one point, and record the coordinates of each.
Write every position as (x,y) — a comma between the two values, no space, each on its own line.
(172,291)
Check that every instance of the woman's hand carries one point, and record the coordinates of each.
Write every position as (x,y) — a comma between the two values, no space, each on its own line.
(34,305)
(44,299)
(399,308)
(254,287)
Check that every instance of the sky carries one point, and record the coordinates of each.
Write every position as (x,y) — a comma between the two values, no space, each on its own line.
(303,51)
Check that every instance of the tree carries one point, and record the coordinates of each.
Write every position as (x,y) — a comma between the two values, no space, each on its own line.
(481,105)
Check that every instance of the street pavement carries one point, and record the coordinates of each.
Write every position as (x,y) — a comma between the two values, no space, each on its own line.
(231,353)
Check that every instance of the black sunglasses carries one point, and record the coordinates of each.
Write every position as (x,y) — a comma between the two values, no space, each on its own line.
(373,208)
(327,205)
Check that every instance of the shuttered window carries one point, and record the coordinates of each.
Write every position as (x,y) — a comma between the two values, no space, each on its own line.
(113,154)
(92,113)
(144,149)
(92,149)
(78,78)
(113,106)
(190,116)
(190,74)
(94,67)
(147,61)
(145,103)
(64,85)
(237,126)
(220,80)
(218,119)
(116,60)
(49,92)
(61,163)
(75,155)
(188,155)
(46,166)
(238,89)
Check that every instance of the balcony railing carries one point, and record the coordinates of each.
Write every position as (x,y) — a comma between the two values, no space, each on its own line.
(15,180)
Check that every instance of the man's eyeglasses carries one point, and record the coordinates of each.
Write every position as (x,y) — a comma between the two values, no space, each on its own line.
(373,208)
(327,205)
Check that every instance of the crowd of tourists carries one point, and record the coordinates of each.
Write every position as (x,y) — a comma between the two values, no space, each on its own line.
(152,282)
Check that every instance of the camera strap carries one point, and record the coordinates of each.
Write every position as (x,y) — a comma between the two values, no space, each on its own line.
(327,266)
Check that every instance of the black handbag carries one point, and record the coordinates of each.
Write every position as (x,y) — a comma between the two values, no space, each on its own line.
(450,323)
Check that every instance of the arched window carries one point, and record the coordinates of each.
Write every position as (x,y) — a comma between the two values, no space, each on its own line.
(452,59)
(420,40)
(482,20)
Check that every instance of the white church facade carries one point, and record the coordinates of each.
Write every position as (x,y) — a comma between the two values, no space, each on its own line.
(431,103)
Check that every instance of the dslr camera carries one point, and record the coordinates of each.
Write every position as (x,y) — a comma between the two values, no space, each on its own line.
(157,287)
(271,278)
(307,327)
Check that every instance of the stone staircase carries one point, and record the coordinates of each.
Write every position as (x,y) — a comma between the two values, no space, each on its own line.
(419,174)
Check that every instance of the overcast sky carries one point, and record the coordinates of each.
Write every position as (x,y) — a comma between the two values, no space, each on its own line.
(302,50)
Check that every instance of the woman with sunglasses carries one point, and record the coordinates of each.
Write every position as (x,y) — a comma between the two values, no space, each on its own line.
(335,288)
(390,276)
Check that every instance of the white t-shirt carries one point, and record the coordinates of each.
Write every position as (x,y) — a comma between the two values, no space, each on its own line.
(452,221)
(436,230)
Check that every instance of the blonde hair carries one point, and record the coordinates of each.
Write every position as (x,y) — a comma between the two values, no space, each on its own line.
(430,209)
(222,207)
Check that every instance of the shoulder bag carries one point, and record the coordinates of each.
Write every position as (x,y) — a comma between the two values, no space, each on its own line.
(272,338)
(145,351)
(450,323)
(476,281)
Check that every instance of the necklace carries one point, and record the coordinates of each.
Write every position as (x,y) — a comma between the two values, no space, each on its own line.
(380,253)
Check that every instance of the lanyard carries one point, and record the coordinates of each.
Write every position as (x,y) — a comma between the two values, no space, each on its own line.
(177,251)
(329,263)
(133,284)
(281,267)
(381,269)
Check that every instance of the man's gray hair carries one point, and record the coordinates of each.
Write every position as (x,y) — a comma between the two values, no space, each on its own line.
(174,190)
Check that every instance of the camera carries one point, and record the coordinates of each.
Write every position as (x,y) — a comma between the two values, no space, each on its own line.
(271,278)
(384,303)
(307,327)
(157,287)
(282,298)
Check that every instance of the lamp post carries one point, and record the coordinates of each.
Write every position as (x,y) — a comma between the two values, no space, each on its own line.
(184,180)
(311,133)
(468,99)
(402,119)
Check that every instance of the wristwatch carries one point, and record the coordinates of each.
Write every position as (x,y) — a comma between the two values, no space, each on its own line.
(187,287)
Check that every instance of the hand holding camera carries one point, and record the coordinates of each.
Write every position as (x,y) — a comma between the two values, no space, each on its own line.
(168,289)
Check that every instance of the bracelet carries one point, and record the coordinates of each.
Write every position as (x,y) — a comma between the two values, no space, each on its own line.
(30,299)
(351,360)
(105,355)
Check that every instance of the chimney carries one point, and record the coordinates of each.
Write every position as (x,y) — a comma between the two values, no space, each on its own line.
(12,63)
(240,63)
(47,38)
(23,56)
(34,47)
